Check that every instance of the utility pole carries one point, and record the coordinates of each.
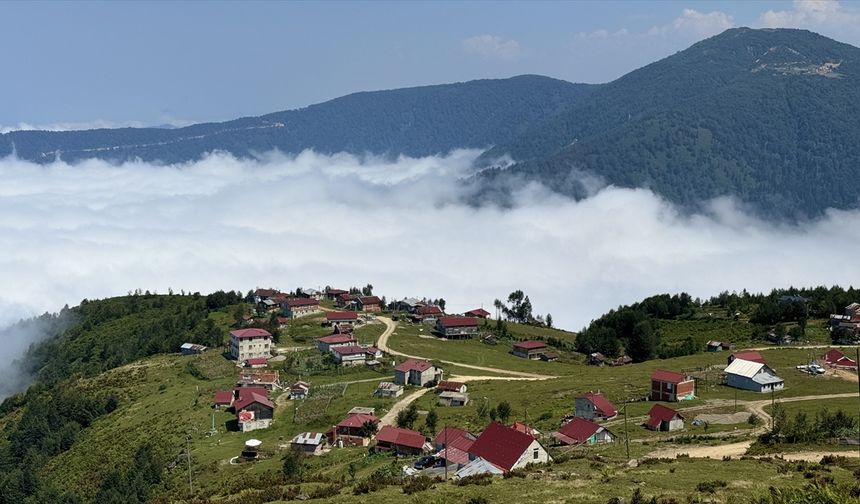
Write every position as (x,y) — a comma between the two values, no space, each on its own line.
(188,454)
(857,363)
(445,428)
(772,410)
(626,435)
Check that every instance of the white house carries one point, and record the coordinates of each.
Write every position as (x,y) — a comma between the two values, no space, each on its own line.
(508,448)
(250,344)
(755,376)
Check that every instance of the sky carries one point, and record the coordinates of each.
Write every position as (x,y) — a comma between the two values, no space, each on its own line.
(103,64)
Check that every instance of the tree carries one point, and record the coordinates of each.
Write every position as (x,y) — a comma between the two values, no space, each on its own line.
(548,320)
(643,342)
(504,411)
(294,462)
(430,422)
(368,429)
(406,418)
(493,414)
(367,290)
(441,303)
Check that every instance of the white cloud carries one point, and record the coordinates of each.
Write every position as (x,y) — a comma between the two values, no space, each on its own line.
(492,47)
(826,16)
(690,25)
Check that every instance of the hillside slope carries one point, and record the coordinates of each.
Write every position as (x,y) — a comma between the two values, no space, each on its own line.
(413,121)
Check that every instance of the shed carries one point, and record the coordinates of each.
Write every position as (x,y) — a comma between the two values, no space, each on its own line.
(750,375)
(582,431)
(663,418)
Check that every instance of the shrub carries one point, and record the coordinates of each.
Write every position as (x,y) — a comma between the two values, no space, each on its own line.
(475,479)
(418,484)
(325,491)
(711,486)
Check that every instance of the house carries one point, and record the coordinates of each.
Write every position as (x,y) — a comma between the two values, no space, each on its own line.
(388,389)
(250,343)
(429,314)
(751,375)
(283,322)
(450,398)
(479,466)
(407,305)
(267,378)
(452,445)
(450,435)
(671,386)
(718,346)
(351,431)
(581,431)
(401,441)
(299,390)
(261,294)
(526,429)
(451,386)
(192,349)
(257,362)
(369,304)
(664,419)
(478,313)
(622,361)
(223,399)
(353,355)
(344,328)
(268,305)
(311,443)
(507,448)
(347,300)
(310,293)
(253,408)
(332,294)
(529,349)
(456,327)
(836,358)
(342,317)
(750,356)
(300,307)
(415,372)
(853,311)
(596,359)
(593,405)
(327,343)
(549,356)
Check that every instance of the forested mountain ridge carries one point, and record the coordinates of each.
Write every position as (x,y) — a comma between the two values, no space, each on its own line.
(416,121)
(768,116)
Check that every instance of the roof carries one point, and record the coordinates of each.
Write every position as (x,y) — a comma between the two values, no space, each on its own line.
(452,434)
(257,361)
(458,321)
(300,385)
(295,302)
(750,356)
(500,445)
(357,420)
(579,429)
(745,368)
(451,394)
(369,300)
(223,397)
(335,292)
(668,376)
(341,315)
(526,429)
(601,404)
(387,385)
(192,346)
(659,413)
(266,292)
(337,338)
(246,399)
(413,364)
(308,438)
(401,437)
(478,312)
(833,355)
(530,345)
(429,310)
(845,362)
(453,386)
(250,333)
(454,455)
(479,466)
(350,350)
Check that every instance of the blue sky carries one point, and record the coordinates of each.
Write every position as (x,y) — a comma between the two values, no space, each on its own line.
(79,64)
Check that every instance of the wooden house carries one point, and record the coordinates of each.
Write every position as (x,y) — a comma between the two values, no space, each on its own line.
(671,386)
(401,441)
(580,431)
(456,327)
(594,405)
(663,418)
(529,349)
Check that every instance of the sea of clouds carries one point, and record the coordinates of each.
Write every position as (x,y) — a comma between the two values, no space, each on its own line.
(94,230)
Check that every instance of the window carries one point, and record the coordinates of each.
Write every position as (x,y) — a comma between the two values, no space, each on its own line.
(536,454)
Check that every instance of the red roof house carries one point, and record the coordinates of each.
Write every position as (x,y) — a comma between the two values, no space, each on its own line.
(525,429)
(400,441)
(663,418)
(529,349)
(507,448)
(582,431)
(451,435)
(350,430)
(451,386)
(369,303)
(251,332)
(327,343)
(836,358)
(253,408)
(478,312)
(750,356)
(671,386)
(341,317)
(257,362)
(453,445)
(593,405)
(223,398)
(456,327)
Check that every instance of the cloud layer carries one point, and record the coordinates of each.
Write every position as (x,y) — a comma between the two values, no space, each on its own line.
(95,230)
(492,47)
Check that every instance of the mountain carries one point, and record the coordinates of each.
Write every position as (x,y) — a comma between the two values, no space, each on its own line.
(771,117)
(413,121)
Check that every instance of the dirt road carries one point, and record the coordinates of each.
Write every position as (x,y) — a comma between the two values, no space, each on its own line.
(390,418)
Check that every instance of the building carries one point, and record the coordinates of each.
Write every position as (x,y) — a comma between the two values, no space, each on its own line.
(332,294)
(223,399)
(750,375)
(388,390)
(671,386)
(453,445)
(407,305)
(347,301)
(310,293)
(581,431)
(253,408)
(749,356)
(344,328)
(478,313)
(526,429)
(428,314)
(352,430)
(451,386)
(718,346)
(257,362)
(311,443)
(266,378)
(327,343)
(299,390)
(401,441)
(549,356)
(507,448)
(835,358)
(192,349)
(665,419)
(354,355)
(596,359)
(415,372)
(369,304)
(529,349)
(300,307)
(593,406)
(342,317)
(456,327)
(450,435)
(250,343)
(449,398)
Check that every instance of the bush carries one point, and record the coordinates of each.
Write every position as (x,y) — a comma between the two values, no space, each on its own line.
(711,486)
(418,484)
(325,491)
(475,479)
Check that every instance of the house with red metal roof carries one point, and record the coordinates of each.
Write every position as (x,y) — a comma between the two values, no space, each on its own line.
(341,317)
(327,343)
(223,399)
(749,356)
(428,314)
(671,386)
(354,430)
(836,358)
(257,362)
(456,327)
(478,312)
(451,386)
(369,304)
(453,445)
(415,372)
(299,307)
(353,355)
(531,349)
(594,405)
(582,431)
(332,294)
(250,343)
(450,435)
(526,429)
(507,448)
(253,408)
(401,441)
(663,418)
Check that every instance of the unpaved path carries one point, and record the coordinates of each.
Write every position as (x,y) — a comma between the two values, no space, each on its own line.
(390,418)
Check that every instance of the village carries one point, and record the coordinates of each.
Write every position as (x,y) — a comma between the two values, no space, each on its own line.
(463,435)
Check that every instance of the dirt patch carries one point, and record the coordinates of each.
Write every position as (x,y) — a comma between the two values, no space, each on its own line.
(724,418)
(844,374)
